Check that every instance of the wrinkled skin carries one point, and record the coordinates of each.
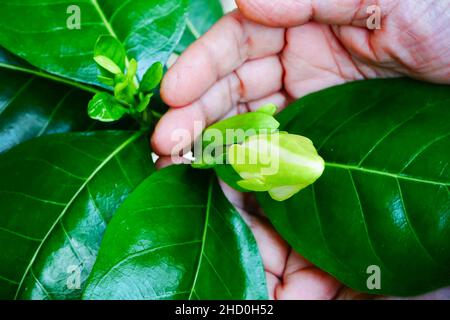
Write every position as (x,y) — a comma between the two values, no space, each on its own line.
(280,50)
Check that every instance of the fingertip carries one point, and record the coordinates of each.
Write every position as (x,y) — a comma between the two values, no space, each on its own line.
(160,140)
(169,89)
(176,131)
(156,145)
(189,77)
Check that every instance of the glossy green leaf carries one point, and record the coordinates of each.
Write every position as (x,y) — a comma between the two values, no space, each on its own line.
(202,14)
(384,198)
(57,193)
(188,244)
(104,107)
(33,105)
(131,70)
(46,34)
(152,77)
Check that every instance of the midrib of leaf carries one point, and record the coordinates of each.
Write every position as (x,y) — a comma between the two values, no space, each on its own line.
(384,173)
(130,140)
(108,26)
(197,34)
(103,17)
(205,228)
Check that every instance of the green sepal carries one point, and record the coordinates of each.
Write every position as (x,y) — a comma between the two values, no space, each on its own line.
(106,80)
(142,106)
(152,77)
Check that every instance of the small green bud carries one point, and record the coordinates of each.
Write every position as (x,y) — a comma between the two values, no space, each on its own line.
(131,70)
(280,163)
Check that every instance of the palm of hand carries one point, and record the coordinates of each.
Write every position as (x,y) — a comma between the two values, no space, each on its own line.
(240,65)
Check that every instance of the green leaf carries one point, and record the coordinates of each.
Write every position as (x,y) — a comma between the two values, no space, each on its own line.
(384,197)
(188,244)
(104,107)
(34,104)
(131,70)
(108,46)
(57,193)
(202,14)
(152,77)
(149,30)
(107,64)
(31,106)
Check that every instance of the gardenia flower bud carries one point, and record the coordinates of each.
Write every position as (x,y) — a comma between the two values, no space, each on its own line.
(280,163)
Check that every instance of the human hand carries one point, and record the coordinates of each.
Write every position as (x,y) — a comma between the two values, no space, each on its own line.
(277,51)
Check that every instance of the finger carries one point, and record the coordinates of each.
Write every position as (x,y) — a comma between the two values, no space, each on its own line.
(254,80)
(280,99)
(223,49)
(236,198)
(349,294)
(316,60)
(272,282)
(374,61)
(291,13)
(301,281)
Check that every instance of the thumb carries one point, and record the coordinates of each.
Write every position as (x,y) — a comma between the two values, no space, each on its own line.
(291,13)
